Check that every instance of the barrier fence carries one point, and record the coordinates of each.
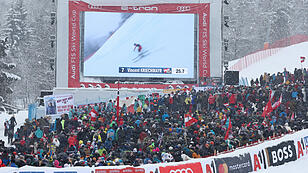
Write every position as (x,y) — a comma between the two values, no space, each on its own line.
(248,60)
(258,157)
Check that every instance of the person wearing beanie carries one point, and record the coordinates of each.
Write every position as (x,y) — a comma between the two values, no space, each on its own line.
(57,164)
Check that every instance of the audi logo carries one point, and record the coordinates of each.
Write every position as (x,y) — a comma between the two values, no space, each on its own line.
(124,7)
(183,8)
(187,170)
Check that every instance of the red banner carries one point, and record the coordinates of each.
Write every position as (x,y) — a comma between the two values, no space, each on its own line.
(74,46)
(204,41)
(75,7)
(186,168)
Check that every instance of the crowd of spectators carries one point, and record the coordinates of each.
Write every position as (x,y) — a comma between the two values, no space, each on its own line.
(155,131)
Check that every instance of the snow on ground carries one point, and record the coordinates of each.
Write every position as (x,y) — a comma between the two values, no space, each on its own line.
(20,117)
(288,57)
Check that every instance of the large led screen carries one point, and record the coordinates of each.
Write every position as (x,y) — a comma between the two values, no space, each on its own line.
(138,45)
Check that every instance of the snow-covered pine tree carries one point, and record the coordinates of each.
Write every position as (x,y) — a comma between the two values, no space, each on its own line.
(18,33)
(16,26)
(32,51)
(6,77)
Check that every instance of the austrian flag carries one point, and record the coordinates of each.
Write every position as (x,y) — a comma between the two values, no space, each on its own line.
(93,115)
(189,120)
(269,107)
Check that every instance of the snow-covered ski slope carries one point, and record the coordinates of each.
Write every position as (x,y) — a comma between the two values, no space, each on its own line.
(169,38)
(288,57)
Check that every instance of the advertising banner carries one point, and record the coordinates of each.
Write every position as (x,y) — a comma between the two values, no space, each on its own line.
(58,104)
(124,170)
(183,168)
(281,153)
(208,165)
(241,163)
(164,12)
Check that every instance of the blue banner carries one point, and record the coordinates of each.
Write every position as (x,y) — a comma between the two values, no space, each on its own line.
(31,111)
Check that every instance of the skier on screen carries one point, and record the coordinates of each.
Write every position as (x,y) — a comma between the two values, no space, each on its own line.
(138,46)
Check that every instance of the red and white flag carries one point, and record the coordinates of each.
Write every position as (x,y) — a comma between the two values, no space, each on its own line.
(271,95)
(293,116)
(189,120)
(303,59)
(93,114)
(277,104)
(264,123)
(268,108)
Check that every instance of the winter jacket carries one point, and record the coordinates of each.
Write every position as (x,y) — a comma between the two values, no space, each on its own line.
(39,133)
(211,99)
(232,99)
(72,141)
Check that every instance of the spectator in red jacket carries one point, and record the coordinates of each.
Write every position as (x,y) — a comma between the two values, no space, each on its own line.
(72,140)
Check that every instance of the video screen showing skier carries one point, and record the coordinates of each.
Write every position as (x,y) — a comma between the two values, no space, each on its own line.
(135,40)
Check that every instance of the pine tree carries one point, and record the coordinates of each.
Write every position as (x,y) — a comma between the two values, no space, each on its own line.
(31,48)
(18,33)
(16,26)
(6,77)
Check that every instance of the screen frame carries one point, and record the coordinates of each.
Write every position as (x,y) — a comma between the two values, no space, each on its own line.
(203,43)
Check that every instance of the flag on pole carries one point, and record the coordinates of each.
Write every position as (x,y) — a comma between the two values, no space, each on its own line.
(228,130)
(189,120)
(293,116)
(303,59)
(268,108)
(277,104)
(118,103)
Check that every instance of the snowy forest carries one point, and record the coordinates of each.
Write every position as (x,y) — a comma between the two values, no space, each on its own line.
(28,27)
(249,24)
(26,55)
